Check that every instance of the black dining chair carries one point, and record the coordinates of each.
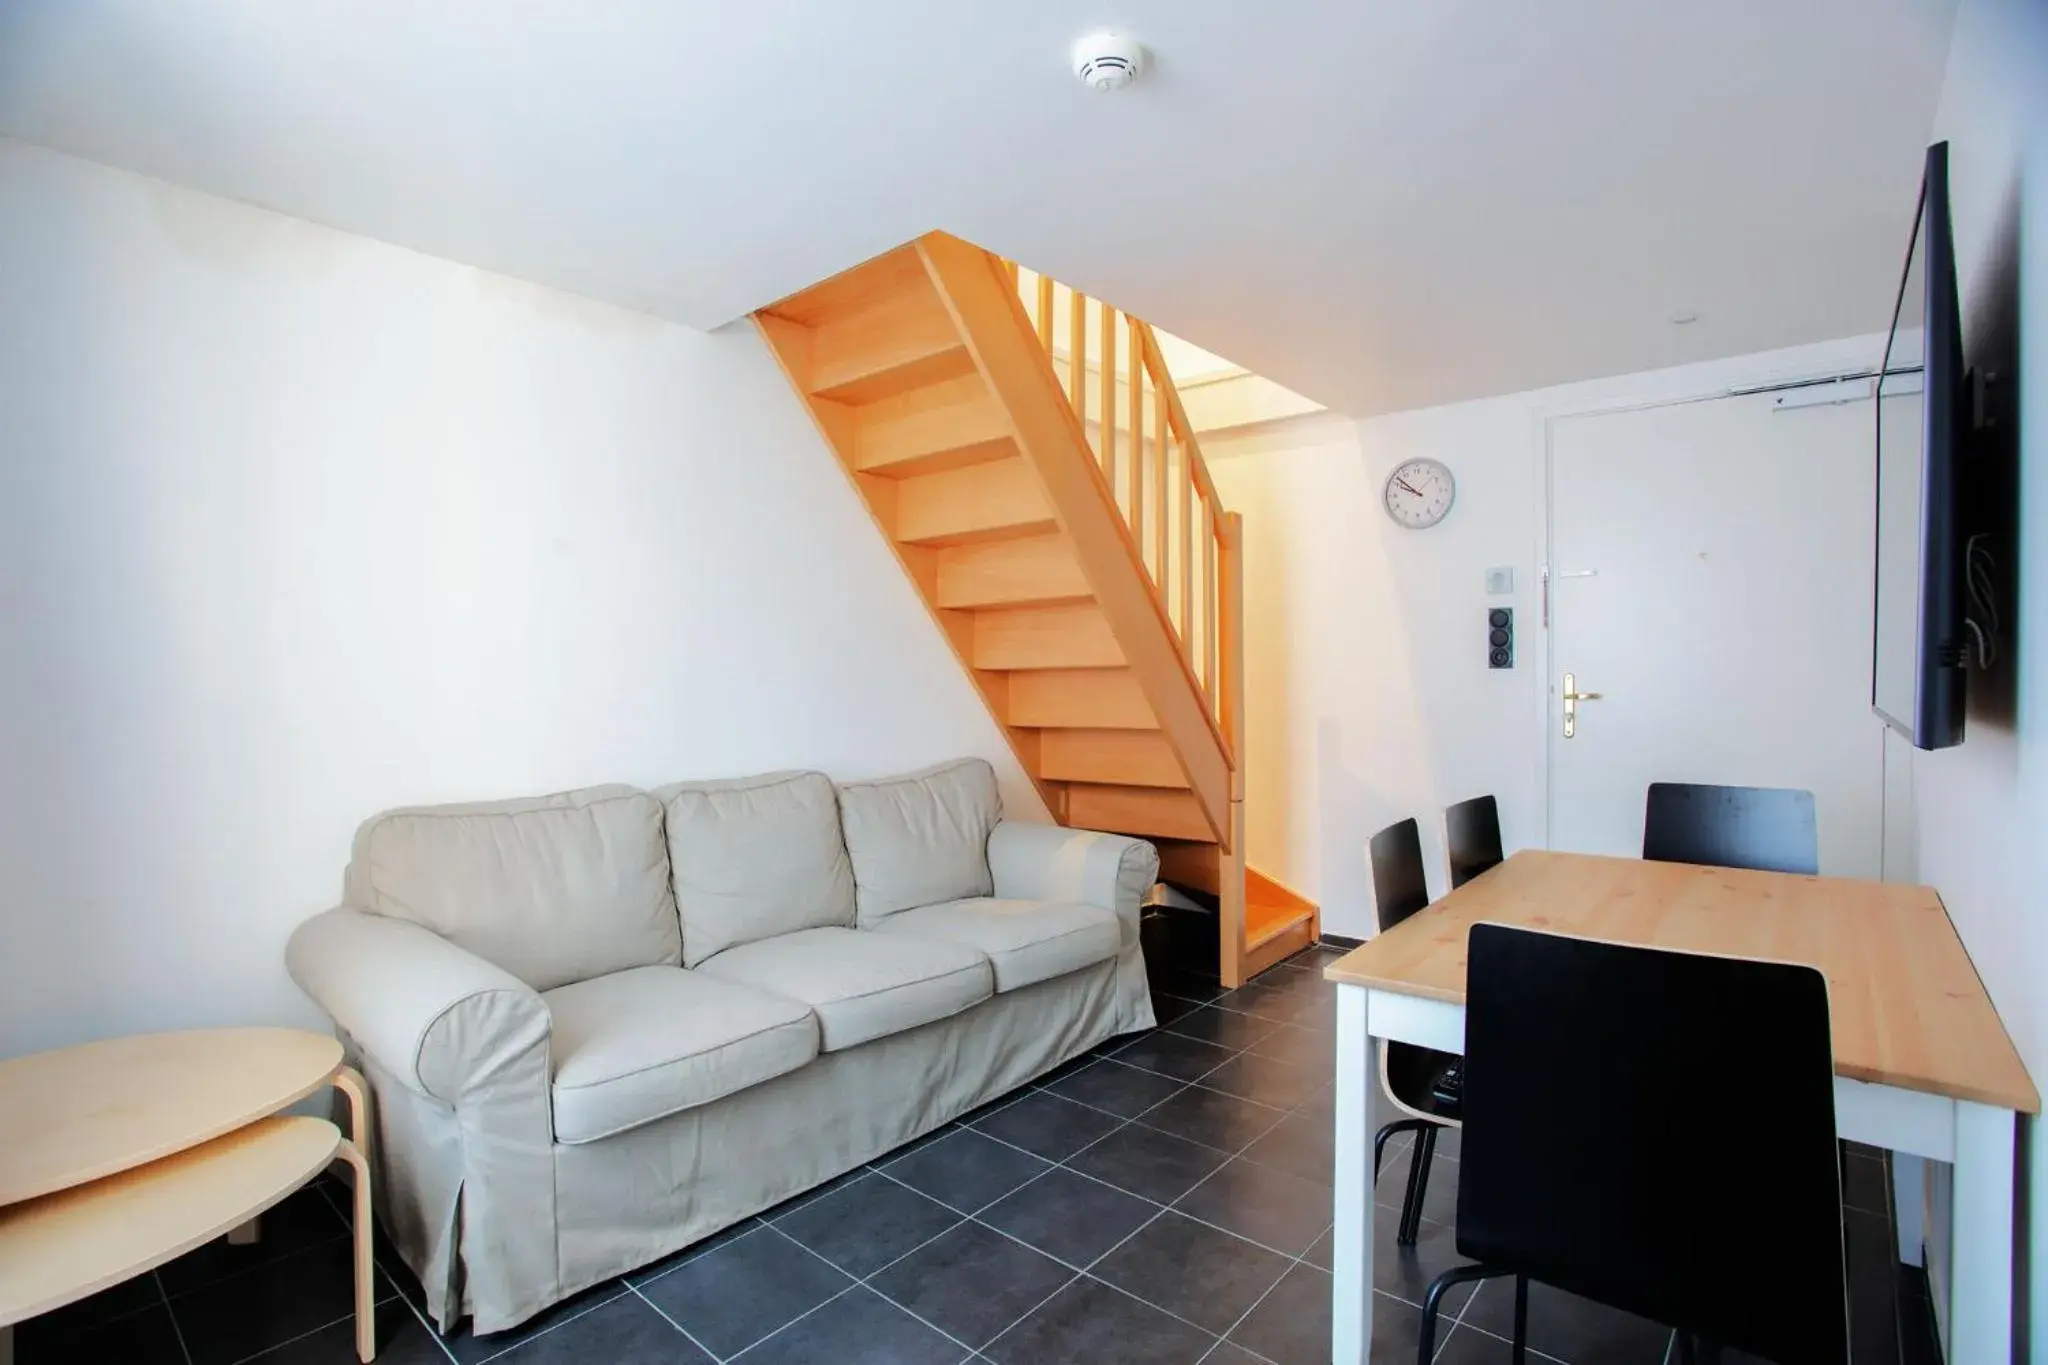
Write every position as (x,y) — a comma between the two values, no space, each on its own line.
(1421,1081)
(1472,838)
(1648,1191)
(1771,829)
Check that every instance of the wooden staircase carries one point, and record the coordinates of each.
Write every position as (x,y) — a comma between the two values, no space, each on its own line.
(1091,587)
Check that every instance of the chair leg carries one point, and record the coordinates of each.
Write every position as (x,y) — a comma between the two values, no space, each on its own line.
(1521,1344)
(1418,1185)
(1379,1143)
(1433,1300)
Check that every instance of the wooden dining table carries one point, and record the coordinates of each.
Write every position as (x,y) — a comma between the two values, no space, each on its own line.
(1923,1065)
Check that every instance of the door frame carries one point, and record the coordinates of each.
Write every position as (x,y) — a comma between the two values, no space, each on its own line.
(1743,376)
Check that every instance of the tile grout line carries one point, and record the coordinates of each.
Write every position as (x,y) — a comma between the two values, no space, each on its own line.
(862,1282)
(1080,1273)
(964,1217)
(772,1224)
(177,1328)
(577,1316)
(1086,1272)
(974,1217)
(634,1290)
(1228,1156)
(375,1269)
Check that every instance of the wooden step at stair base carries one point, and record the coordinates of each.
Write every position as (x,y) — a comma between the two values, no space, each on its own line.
(1281,943)
(1125,758)
(1088,698)
(1143,811)
(1278,921)
(947,425)
(1035,570)
(1074,636)
(996,501)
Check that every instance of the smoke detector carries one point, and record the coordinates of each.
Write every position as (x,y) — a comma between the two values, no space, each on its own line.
(1107,61)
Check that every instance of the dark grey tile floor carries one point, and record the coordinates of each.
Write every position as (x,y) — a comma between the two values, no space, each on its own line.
(1163,1200)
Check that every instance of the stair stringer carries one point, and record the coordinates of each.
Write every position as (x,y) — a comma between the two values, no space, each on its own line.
(1000,338)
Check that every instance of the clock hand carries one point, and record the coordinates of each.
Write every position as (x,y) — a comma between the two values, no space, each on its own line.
(1407,486)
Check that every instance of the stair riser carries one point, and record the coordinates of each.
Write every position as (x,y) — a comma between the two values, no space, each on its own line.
(1126,758)
(1034,571)
(1051,637)
(899,342)
(1093,698)
(942,426)
(1137,810)
(965,506)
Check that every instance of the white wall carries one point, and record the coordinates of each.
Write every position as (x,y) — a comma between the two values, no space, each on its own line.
(1979,810)
(295,526)
(1369,695)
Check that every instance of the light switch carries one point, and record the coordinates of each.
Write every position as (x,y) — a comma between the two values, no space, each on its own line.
(1500,581)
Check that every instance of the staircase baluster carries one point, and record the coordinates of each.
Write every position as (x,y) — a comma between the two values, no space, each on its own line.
(1210,531)
(1187,552)
(1108,382)
(1161,574)
(1077,355)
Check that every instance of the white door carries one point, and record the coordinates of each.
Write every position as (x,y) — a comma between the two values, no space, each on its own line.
(1711,581)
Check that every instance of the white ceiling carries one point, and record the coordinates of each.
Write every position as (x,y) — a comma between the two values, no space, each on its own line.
(1381,203)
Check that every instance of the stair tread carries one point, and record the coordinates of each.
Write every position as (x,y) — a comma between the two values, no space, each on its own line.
(997,500)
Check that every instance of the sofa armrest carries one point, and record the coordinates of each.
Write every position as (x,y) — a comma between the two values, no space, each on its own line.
(439,1018)
(1052,863)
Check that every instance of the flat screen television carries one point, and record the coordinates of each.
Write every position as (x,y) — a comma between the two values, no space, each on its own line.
(1916,679)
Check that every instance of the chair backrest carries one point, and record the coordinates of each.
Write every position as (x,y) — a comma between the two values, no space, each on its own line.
(1472,835)
(1399,887)
(1768,828)
(1656,1131)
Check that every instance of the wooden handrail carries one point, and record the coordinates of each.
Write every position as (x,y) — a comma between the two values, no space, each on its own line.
(1179,533)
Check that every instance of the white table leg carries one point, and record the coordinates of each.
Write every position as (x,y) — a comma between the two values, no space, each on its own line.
(1981,1236)
(248,1234)
(1351,1250)
(7,1345)
(1909,1206)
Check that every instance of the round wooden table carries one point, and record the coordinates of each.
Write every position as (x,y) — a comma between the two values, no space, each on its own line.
(117,1156)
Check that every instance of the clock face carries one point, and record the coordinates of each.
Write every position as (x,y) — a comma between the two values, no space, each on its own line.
(1419,493)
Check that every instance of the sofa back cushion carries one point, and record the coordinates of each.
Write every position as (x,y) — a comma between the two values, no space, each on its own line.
(553,889)
(920,838)
(754,858)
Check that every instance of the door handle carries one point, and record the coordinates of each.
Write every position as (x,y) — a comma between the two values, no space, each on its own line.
(1572,698)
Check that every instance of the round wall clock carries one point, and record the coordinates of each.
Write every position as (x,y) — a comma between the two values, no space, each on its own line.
(1420,492)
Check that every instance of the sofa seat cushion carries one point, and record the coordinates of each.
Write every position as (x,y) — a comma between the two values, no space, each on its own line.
(641,1044)
(1025,941)
(861,985)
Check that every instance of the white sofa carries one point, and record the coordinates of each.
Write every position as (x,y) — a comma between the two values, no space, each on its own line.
(605,1024)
